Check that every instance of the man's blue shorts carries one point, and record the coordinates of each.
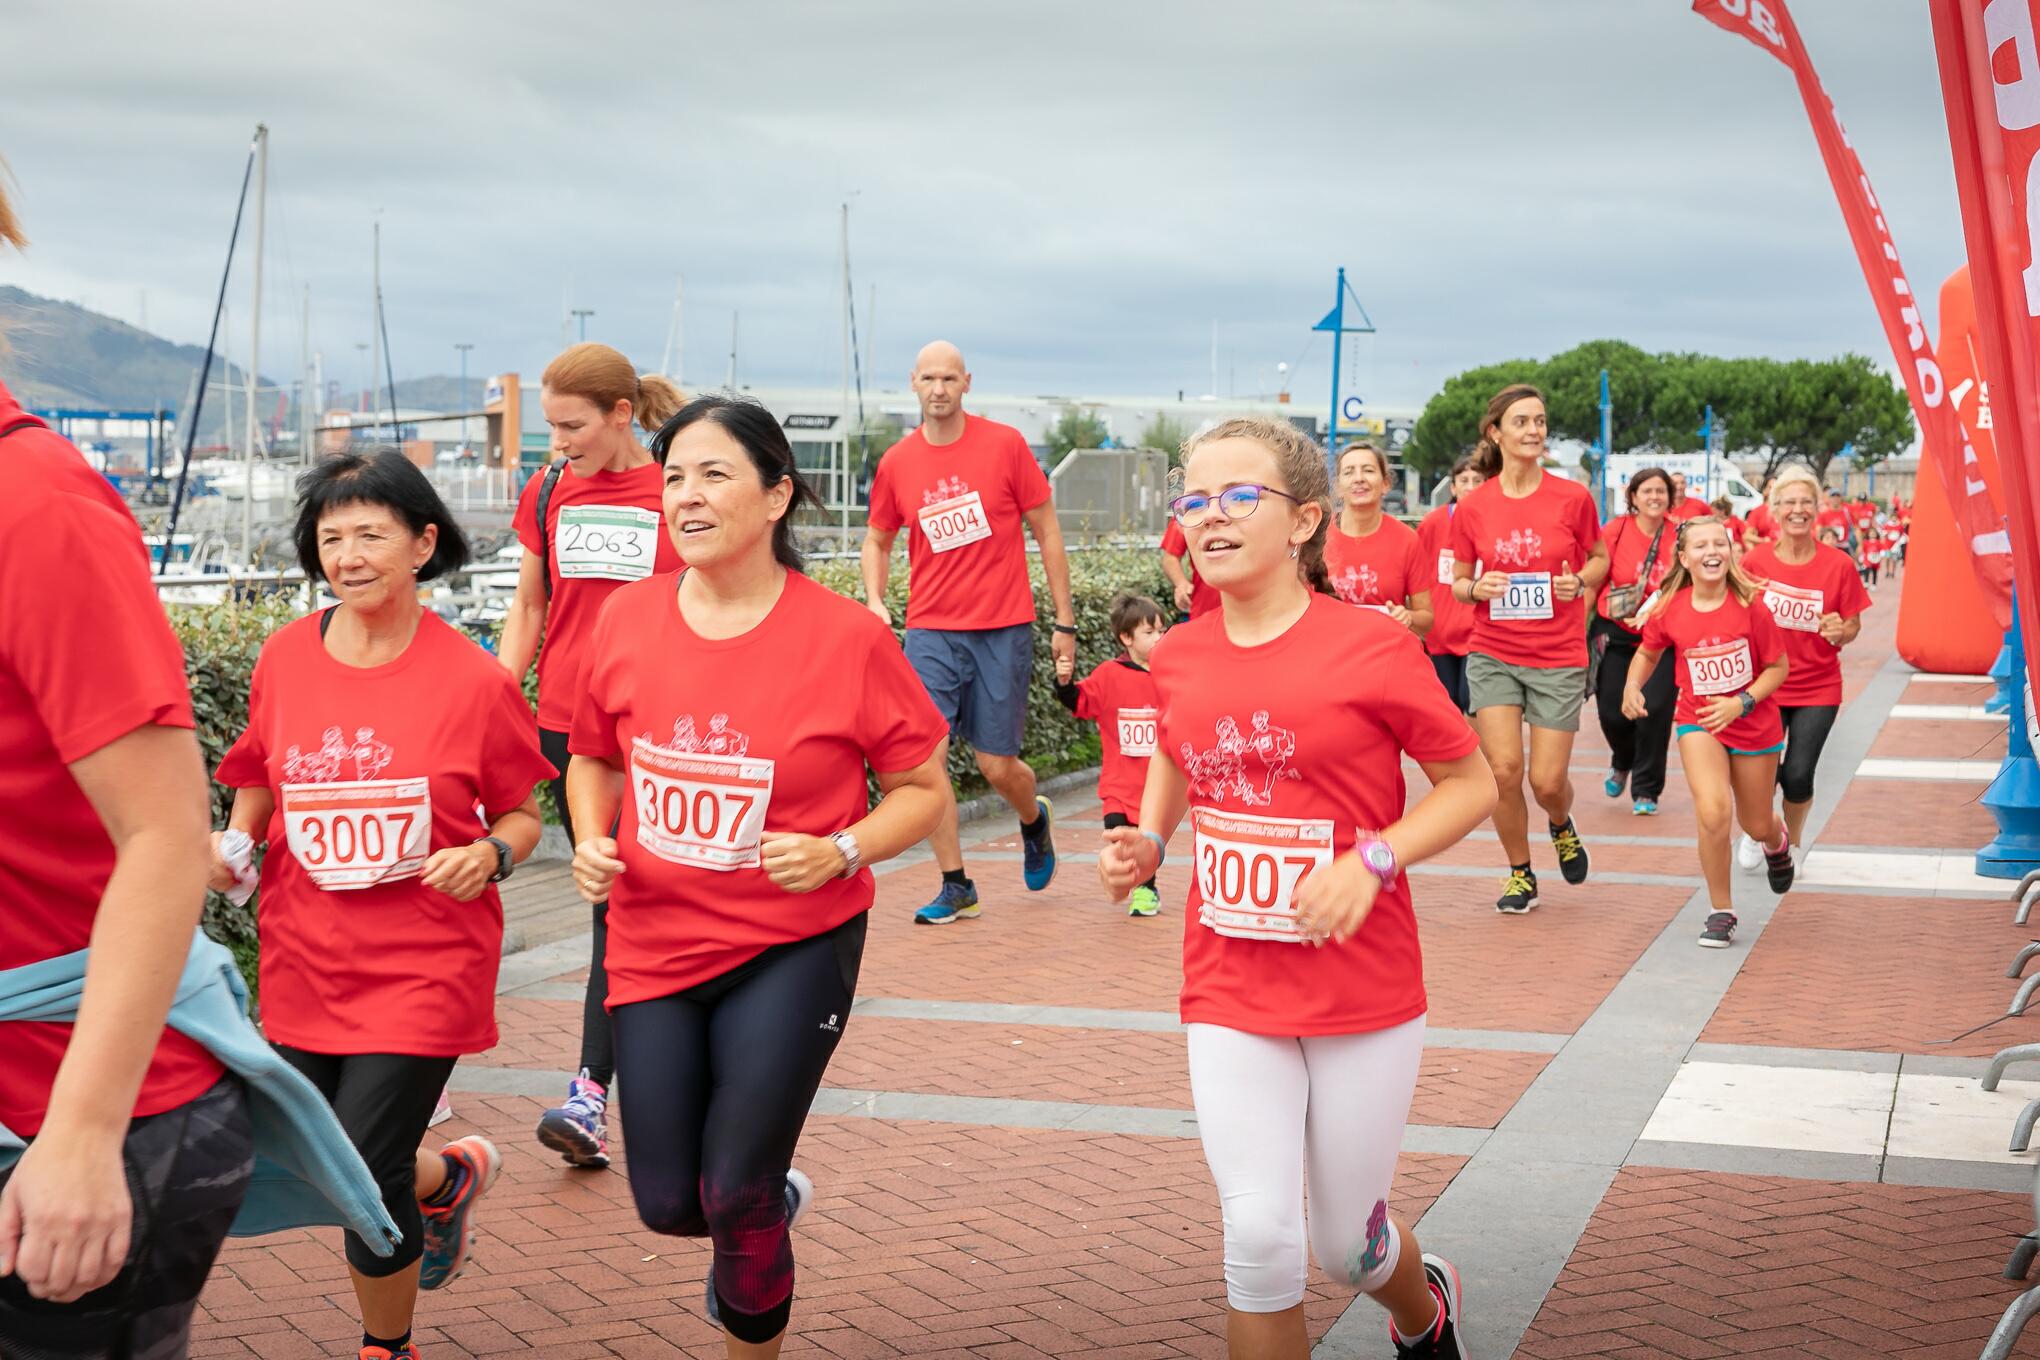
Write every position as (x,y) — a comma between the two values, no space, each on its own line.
(978,680)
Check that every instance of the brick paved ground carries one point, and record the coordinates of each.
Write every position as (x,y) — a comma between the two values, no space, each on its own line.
(1009,1234)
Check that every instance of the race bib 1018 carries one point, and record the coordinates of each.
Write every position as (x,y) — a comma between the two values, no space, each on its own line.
(951,524)
(702,810)
(606,542)
(1248,868)
(1528,596)
(358,833)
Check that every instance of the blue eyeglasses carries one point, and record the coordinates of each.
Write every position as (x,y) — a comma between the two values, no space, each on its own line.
(1235,502)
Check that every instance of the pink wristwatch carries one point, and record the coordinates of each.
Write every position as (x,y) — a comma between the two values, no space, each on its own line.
(1379,857)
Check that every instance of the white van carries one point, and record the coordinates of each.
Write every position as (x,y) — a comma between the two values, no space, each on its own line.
(1727,479)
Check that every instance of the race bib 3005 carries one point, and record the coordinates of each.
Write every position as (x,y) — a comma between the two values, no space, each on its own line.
(1248,868)
(955,522)
(1794,607)
(606,542)
(702,810)
(358,833)
(1724,668)
(1137,731)
(1528,597)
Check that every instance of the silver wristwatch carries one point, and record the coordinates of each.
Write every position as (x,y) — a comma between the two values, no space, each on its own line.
(853,858)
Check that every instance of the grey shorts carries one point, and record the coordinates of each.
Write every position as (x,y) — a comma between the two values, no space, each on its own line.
(1549,698)
(978,679)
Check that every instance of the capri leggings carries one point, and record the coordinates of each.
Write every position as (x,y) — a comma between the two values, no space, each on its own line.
(383,1101)
(1266,1106)
(720,1079)
(1806,732)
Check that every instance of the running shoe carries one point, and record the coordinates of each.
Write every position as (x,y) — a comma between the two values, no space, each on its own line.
(578,1130)
(1616,781)
(956,902)
(1038,849)
(1644,807)
(1572,856)
(1748,854)
(1519,893)
(1144,902)
(800,1197)
(441,1112)
(448,1232)
(1443,1341)
(407,1351)
(1778,865)
(1719,933)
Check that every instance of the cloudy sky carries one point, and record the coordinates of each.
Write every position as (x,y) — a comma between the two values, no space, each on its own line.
(1074,190)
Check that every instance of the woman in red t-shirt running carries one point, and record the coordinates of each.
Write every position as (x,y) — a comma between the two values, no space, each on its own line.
(1731,661)
(1372,558)
(716,721)
(601,531)
(375,734)
(1284,719)
(1537,540)
(1451,629)
(1639,555)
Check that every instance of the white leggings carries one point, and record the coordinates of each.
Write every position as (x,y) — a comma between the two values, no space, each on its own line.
(1264,1106)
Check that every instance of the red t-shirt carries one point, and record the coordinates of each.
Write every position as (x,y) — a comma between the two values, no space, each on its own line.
(1451,622)
(1532,538)
(1290,749)
(375,768)
(1719,652)
(962,505)
(722,738)
(1798,596)
(1627,544)
(1763,524)
(1203,596)
(86,657)
(1120,697)
(601,532)
(1385,567)
(1690,508)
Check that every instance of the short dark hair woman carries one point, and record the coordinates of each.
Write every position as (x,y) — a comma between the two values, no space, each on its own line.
(1641,549)
(375,732)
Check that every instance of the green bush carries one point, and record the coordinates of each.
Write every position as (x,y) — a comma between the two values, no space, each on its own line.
(221,643)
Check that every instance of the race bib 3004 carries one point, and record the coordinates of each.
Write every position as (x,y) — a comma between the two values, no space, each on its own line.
(702,810)
(1248,868)
(1724,668)
(1794,607)
(1528,597)
(607,542)
(952,523)
(1137,731)
(358,833)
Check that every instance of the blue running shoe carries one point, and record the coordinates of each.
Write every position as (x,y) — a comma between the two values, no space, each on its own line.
(1616,781)
(1039,868)
(956,902)
(448,1232)
(1645,807)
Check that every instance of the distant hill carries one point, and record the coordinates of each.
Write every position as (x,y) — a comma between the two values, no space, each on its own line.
(61,354)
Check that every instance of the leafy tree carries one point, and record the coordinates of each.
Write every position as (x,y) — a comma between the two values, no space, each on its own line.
(1166,433)
(1075,428)
(1450,424)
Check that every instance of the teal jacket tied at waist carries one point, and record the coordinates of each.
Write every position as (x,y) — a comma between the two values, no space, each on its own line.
(307,1173)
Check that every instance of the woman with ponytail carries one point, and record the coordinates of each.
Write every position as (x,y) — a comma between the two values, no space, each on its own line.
(589,525)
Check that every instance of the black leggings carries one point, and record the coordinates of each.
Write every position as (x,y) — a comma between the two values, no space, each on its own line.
(187,1171)
(598,1046)
(383,1101)
(720,1078)
(1637,747)
(1113,819)
(1452,674)
(1806,732)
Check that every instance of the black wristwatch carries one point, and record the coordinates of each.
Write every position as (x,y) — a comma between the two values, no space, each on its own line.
(504,863)
(1748,704)
(1066,629)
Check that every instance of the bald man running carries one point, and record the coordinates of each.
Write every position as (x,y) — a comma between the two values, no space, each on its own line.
(963,485)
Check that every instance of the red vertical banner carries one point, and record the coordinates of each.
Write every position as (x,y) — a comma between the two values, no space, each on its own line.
(1990,86)
(1944,444)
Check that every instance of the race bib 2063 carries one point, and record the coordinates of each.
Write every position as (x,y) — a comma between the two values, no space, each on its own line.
(607,542)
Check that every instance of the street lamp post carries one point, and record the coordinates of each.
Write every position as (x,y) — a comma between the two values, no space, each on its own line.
(582,314)
(463,347)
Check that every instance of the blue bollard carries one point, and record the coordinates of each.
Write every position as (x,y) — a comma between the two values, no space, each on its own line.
(2001,672)
(2014,796)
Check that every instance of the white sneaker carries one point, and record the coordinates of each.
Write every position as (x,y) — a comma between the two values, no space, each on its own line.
(1748,854)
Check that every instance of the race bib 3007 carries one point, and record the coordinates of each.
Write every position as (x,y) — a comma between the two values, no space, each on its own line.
(1248,867)
(358,833)
(707,811)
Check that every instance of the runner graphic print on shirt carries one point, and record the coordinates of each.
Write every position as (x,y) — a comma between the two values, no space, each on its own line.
(1248,866)
(701,799)
(1223,771)
(1358,584)
(1519,549)
(353,833)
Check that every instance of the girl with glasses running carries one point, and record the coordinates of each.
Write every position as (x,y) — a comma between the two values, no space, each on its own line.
(1284,719)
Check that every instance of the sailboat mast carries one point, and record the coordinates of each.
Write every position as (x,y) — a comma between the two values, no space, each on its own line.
(254,346)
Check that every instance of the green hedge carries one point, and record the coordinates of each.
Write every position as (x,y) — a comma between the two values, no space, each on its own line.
(221,643)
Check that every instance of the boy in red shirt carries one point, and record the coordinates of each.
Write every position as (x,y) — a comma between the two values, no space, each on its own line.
(1120,697)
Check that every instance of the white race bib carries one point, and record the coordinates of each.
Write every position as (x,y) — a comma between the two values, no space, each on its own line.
(1528,597)
(1724,668)
(1794,607)
(358,833)
(1248,868)
(1137,731)
(1377,608)
(606,542)
(953,523)
(1445,566)
(701,810)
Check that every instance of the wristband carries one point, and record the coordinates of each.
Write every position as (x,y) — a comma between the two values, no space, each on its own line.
(1748,704)
(1161,845)
(1066,629)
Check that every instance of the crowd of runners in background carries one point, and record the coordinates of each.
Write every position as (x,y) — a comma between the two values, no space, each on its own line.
(708,719)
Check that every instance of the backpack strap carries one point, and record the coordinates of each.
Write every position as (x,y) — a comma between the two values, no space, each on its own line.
(25,423)
(326,619)
(545,492)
